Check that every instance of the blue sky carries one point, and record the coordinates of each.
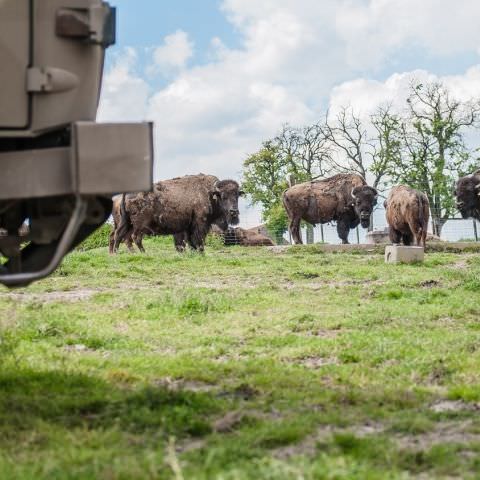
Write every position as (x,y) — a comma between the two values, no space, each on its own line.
(143,24)
(218,77)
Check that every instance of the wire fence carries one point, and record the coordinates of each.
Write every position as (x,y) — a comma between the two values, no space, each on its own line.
(454,230)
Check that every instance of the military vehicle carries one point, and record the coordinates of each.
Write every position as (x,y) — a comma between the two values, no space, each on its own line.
(58,168)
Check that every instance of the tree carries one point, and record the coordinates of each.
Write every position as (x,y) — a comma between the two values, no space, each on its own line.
(264,179)
(387,145)
(433,152)
(305,151)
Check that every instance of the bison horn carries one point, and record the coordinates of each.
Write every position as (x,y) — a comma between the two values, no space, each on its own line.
(353,194)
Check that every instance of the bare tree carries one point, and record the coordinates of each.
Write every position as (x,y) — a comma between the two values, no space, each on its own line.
(306,151)
(348,136)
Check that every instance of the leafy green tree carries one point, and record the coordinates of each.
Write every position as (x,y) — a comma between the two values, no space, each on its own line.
(264,179)
(433,152)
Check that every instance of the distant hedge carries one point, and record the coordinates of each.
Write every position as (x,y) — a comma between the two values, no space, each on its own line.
(98,239)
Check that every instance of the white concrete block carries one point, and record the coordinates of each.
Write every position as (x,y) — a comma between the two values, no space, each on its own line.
(402,254)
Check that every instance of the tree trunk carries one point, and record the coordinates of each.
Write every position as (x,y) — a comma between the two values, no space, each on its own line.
(309,233)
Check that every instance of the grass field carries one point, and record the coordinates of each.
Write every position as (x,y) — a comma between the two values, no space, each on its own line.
(242,364)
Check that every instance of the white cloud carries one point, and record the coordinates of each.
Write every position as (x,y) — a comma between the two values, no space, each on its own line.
(124,94)
(373,30)
(365,95)
(295,56)
(176,50)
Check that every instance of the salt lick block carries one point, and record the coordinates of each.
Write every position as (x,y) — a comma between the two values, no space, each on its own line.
(401,254)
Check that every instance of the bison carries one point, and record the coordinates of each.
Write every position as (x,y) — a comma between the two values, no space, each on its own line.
(467,193)
(184,207)
(407,212)
(344,198)
(180,239)
(246,238)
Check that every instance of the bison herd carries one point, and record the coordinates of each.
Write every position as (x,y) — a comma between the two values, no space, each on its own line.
(190,207)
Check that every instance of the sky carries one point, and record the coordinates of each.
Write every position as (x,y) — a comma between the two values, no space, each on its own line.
(218,77)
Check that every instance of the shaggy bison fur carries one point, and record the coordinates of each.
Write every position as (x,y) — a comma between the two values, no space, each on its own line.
(344,198)
(184,207)
(407,212)
(467,193)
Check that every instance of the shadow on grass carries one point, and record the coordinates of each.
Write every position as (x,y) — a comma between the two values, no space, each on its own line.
(70,400)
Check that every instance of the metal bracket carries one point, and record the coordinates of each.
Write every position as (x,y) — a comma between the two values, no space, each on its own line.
(50,80)
(95,25)
(22,279)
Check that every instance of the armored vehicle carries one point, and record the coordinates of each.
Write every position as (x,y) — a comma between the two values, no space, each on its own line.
(58,168)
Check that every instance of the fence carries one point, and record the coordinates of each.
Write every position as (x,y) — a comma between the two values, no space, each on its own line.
(454,230)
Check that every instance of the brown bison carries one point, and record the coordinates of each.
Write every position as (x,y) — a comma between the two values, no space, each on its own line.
(467,193)
(344,198)
(246,238)
(407,212)
(184,207)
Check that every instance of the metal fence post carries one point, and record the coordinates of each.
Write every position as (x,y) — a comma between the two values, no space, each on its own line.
(475,230)
(358,236)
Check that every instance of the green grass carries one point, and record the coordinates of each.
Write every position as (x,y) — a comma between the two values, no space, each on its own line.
(242,364)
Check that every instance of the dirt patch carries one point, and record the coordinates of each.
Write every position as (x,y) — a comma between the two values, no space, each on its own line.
(190,445)
(235,357)
(316,362)
(245,392)
(79,348)
(445,432)
(328,334)
(445,406)
(461,433)
(176,385)
(228,422)
(317,285)
(308,446)
(50,297)
(278,248)
(429,284)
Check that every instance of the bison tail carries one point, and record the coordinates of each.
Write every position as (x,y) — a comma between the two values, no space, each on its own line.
(420,214)
(422,206)
(285,201)
(124,225)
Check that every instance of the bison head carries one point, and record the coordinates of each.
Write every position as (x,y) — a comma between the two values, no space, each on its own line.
(225,197)
(364,199)
(467,192)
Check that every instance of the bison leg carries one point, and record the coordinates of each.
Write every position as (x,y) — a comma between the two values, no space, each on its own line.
(111,242)
(121,234)
(395,236)
(420,236)
(423,238)
(196,238)
(295,231)
(129,241)
(138,239)
(179,240)
(407,239)
(343,230)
